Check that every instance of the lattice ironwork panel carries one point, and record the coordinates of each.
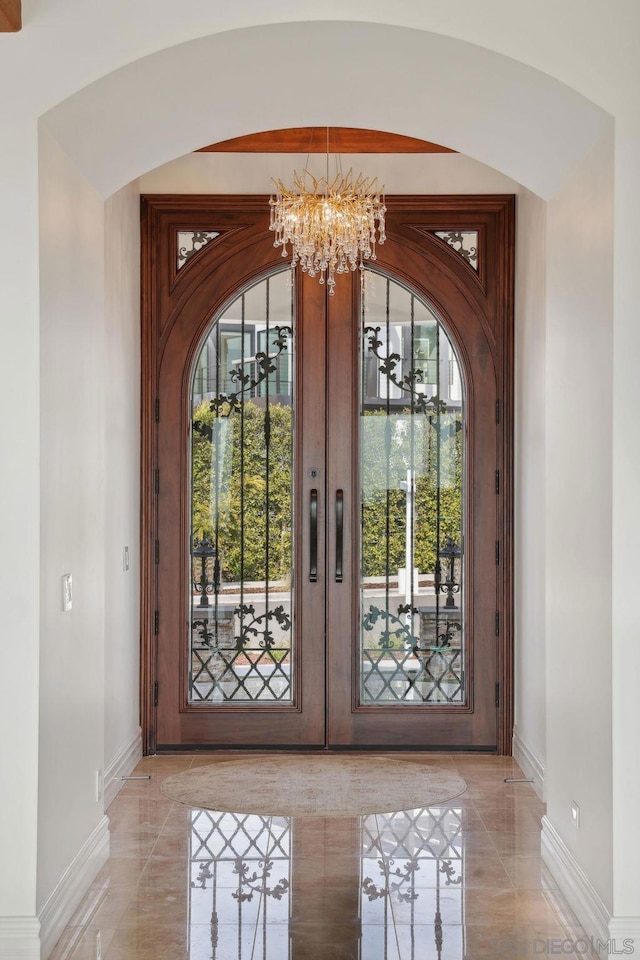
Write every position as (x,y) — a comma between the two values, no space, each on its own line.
(416,882)
(230,669)
(240,872)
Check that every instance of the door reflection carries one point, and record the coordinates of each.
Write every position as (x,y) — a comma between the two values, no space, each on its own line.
(298,888)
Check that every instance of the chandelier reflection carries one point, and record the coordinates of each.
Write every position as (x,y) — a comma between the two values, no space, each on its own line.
(331,225)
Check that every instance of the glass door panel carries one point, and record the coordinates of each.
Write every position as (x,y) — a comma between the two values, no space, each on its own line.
(412,451)
(242,408)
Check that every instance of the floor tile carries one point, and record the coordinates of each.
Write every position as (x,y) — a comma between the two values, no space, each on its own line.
(457,881)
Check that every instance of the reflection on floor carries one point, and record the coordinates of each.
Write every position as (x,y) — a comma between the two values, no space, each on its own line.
(454,881)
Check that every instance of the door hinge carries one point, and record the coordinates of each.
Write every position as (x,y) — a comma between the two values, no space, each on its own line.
(497,623)
(497,481)
(497,694)
(157,552)
(497,411)
(156,415)
(156,621)
(156,481)
(155,693)
(497,552)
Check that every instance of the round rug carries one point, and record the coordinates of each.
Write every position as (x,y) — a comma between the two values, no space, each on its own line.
(313,786)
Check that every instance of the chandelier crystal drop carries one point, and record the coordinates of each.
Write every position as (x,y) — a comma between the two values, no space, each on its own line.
(331,225)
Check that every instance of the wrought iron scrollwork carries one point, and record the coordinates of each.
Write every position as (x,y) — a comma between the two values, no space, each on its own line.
(395,629)
(256,882)
(387,872)
(191,242)
(231,662)
(250,628)
(408,665)
(408,383)
(447,868)
(227,403)
(464,242)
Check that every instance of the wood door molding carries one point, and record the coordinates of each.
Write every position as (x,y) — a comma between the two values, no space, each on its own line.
(10,16)
(314,140)
(411,222)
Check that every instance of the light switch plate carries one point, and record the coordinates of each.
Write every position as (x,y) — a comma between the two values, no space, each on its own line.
(67,592)
(125,559)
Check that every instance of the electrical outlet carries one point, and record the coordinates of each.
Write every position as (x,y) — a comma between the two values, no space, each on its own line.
(575,814)
(99,786)
(125,559)
(98,946)
(67,592)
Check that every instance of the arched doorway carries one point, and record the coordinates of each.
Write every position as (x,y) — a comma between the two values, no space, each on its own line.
(328,482)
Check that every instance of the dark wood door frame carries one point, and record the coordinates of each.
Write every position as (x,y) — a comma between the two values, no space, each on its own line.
(243,221)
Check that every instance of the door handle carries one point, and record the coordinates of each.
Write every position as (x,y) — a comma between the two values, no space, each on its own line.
(313,536)
(339,533)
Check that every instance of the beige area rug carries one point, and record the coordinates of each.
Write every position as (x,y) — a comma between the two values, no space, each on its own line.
(313,786)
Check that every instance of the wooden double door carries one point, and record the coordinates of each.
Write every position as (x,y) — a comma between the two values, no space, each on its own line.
(327,482)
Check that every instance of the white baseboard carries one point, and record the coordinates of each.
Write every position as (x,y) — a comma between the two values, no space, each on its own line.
(574,884)
(73,933)
(19,938)
(624,933)
(531,764)
(73,886)
(122,765)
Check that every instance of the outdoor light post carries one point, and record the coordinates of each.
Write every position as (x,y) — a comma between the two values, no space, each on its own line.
(408,486)
(450,553)
(204,549)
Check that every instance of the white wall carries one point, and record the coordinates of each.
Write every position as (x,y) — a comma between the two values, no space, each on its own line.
(122,475)
(72,504)
(626,530)
(578,385)
(19,522)
(529,503)
(90,389)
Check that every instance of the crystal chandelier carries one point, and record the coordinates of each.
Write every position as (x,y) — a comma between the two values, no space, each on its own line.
(331,225)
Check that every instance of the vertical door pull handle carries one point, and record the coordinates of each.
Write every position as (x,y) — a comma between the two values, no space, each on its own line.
(313,536)
(339,533)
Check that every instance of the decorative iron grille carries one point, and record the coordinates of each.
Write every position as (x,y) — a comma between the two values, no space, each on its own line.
(190,242)
(464,242)
(412,515)
(242,501)
(240,873)
(412,878)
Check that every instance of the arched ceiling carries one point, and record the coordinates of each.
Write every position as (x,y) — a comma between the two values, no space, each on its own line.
(410,82)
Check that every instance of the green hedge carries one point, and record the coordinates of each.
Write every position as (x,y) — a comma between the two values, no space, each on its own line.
(266,499)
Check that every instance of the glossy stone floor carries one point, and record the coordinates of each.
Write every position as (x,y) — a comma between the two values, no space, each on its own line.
(459,880)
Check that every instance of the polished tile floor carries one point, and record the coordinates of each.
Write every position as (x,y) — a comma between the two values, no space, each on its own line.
(463,879)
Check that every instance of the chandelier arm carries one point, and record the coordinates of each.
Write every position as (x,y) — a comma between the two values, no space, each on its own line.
(332,226)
